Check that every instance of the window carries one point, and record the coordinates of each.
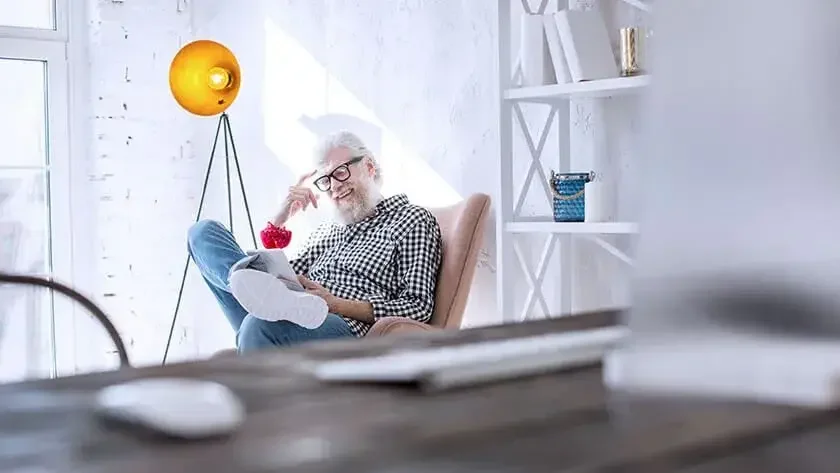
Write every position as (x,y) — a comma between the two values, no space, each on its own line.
(35,19)
(34,180)
(30,14)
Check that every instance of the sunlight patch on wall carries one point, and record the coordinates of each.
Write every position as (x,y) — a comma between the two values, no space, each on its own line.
(404,171)
(295,85)
(302,101)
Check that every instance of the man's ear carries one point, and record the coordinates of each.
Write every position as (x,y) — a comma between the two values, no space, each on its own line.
(370,167)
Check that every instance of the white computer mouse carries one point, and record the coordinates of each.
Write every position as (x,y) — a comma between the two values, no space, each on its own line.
(177,407)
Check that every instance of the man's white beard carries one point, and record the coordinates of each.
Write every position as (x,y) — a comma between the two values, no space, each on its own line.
(364,199)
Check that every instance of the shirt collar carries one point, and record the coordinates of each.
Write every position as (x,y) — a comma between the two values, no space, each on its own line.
(391,203)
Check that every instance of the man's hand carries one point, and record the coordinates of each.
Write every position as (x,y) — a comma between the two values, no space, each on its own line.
(358,310)
(316,289)
(299,198)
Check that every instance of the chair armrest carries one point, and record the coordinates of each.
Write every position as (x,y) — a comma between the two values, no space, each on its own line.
(392,325)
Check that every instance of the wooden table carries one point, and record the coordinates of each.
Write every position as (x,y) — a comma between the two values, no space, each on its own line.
(550,423)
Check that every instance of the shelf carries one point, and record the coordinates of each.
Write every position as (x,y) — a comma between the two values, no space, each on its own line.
(588,89)
(573,227)
(641,5)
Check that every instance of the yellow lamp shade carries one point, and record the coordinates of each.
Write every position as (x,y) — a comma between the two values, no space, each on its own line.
(204,77)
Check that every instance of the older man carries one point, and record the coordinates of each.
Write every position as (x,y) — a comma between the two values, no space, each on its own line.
(379,257)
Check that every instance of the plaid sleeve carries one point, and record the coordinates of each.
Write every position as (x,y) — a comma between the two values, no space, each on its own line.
(419,256)
(318,242)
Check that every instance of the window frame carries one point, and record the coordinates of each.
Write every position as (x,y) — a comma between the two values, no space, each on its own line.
(51,47)
(60,33)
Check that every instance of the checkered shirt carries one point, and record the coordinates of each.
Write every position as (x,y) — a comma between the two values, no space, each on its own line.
(390,259)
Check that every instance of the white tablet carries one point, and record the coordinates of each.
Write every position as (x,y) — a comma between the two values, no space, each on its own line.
(272,261)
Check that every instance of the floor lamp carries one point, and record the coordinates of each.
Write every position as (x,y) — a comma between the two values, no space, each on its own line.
(204,78)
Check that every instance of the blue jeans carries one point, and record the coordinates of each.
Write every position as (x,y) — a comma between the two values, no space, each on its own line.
(214,251)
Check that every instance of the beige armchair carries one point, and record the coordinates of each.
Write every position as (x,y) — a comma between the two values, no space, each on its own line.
(462,230)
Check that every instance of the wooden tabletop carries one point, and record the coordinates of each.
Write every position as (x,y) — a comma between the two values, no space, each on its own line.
(549,423)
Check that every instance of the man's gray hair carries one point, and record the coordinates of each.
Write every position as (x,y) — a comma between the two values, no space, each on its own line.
(348,140)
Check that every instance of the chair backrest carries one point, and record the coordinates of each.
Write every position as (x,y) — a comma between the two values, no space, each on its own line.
(462,231)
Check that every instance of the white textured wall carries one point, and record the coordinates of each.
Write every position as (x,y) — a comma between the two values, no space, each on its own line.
(420,74)
(138,192)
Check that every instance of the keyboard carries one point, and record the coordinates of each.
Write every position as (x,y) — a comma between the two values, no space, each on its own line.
(445,367)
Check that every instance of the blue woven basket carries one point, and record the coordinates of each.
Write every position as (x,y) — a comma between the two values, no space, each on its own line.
(569,190)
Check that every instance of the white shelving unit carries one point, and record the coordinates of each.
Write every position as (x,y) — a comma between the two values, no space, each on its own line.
(511,260)
(597,228)
(641,5)
(578,90)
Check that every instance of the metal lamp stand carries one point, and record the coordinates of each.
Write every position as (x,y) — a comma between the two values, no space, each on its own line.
(230,151)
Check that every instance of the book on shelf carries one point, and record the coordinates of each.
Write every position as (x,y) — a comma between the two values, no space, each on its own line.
(533,52)
(555,49)
(586,45)
(563,47)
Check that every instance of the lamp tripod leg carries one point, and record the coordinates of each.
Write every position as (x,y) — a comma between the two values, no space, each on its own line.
(225,125)
(241,181)
(197,217)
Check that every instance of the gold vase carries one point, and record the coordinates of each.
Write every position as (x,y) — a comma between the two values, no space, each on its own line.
(629,51)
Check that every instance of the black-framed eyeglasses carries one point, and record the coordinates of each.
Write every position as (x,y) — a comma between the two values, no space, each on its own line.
(340,174)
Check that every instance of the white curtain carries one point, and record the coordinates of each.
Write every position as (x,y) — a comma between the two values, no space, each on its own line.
(22,250)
